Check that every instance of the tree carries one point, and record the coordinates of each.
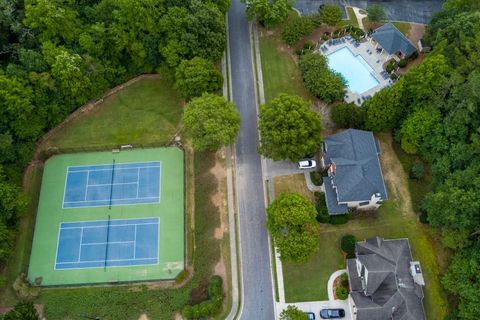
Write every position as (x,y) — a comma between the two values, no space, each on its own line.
(291,222)
(330,14)
(292,313)
(348,244)
(268,12)
(288,128)
(384,110)
(197,76)
(348,115)
(454,207)
(297,28)
(320,80)
(463,279)
(23,310)
(416,127)
(376,13)
(211,122)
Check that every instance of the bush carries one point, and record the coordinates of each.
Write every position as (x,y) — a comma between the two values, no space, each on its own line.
(316,178)
(423,217)
(417,171)
(414,55)
(208,307)
(344,279)
(402,63)
(24,289)
(23,310)
(389,68)
(348,245)
(340,218)
(348,115)
(341,293)
(215,288)
(296,29)
(393,76)
(187,312)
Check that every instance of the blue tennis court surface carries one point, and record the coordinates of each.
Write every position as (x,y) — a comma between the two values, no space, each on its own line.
(114,243)
(112,184)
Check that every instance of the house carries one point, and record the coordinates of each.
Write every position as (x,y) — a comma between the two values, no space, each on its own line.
(389,40)
(355,179)
(385,282)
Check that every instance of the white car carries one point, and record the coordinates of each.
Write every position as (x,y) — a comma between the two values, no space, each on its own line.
(307,164)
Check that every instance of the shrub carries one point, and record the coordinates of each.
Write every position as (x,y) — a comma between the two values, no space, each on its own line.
(296,29)
(348,245)
(348,115)
(316,178)
(402,63)
(389,68)
(187,312)
(325,37)
(344,279)
(393,76)
(414,55)
(423,217)
(24,289)
(340,218)
(341,293)
(23,310)
(417,171)
(321,206)
(316,19)
(215,288)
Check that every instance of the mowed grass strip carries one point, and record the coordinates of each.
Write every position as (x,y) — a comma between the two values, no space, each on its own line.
(147,112)
(352,18)
(280,71)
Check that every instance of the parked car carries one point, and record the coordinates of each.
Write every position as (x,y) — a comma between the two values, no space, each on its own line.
(307,164)
(310,316)
(332,313)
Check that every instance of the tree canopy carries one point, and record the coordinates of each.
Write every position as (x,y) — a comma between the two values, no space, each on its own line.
(196,76)
(268,12)
(320,80)
(376,12)
(330,14)
(288,128)
(291,222)
(211,122)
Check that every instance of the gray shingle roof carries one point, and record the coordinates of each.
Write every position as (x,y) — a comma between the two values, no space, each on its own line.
(358,174)
(392,40)
(390,292)
(331,199)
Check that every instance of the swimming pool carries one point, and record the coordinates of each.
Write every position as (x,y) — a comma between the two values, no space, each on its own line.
(354,69)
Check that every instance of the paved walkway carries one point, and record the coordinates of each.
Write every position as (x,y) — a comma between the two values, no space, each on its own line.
(310,185)
(359,16)
(331,280)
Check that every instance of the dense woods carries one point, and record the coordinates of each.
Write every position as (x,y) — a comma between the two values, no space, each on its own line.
(55,55)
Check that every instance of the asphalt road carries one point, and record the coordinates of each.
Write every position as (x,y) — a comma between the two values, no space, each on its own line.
(257,297)
(404,10)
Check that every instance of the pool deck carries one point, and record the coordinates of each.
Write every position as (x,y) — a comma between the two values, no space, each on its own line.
(375,61)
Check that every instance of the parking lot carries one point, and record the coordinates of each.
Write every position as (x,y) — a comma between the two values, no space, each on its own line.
(402,10)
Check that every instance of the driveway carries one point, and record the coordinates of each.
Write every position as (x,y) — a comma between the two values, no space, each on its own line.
(419,11)
(257,292)
(316,306)
(280,168)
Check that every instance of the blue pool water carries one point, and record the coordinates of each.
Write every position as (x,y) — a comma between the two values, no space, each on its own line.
(354,69)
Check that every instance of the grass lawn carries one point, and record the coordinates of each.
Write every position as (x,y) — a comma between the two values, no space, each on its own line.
(147,112)
(404,27)
(308,282)
(280,72)
(352,18)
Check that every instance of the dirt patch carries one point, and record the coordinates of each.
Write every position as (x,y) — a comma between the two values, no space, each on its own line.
(219,198)
(143,317)
(394,175)
(416,32)
(178,316)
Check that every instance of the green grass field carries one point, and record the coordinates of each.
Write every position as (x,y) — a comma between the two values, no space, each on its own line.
(352,18)
(50,214)
(280,72)
(146,112)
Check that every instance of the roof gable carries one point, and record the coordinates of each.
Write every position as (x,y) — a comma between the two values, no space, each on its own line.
(392,40)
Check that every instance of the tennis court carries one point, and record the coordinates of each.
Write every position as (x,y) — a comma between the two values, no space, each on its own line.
(109,217)
(111,243)
(112,184)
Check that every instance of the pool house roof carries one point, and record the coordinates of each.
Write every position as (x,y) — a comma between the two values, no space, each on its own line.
(392,40)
